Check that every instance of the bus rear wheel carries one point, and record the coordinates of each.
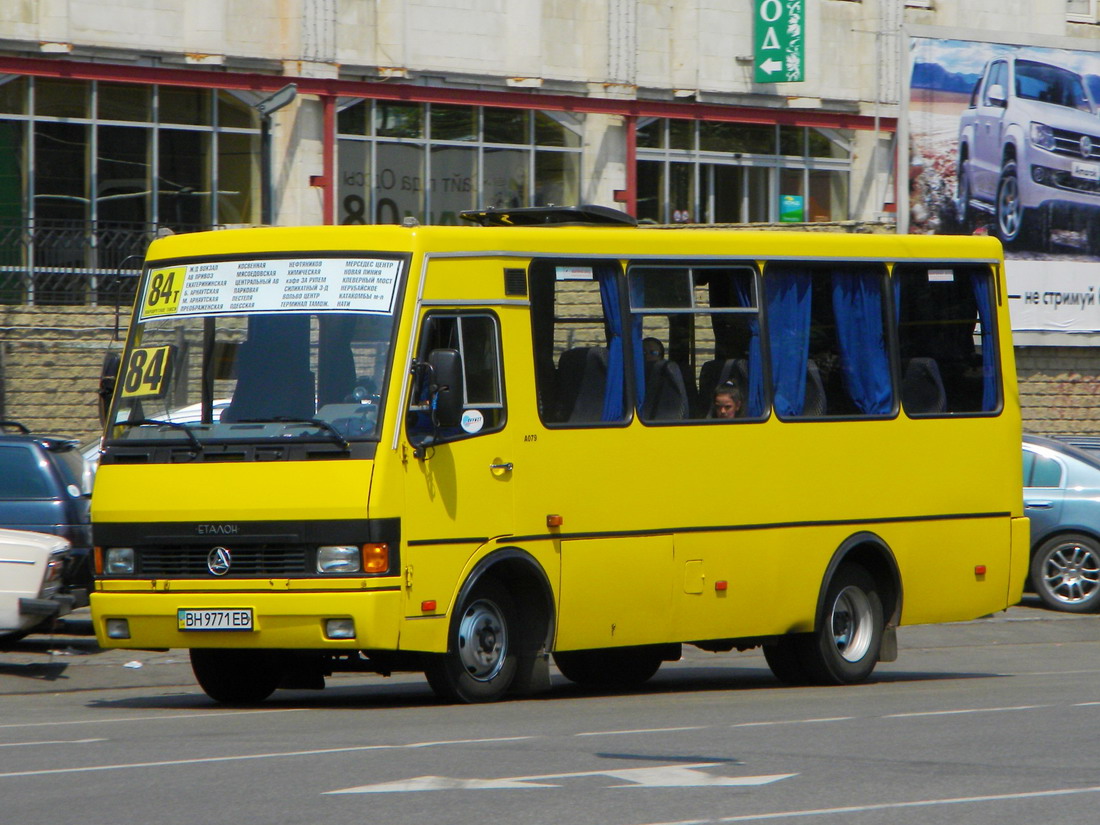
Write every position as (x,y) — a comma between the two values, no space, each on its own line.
(480,662)
(236,677)
(610,669)
(844,647)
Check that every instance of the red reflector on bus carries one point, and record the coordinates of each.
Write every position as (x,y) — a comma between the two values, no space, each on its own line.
(720,586)
(427,606)
(979,570)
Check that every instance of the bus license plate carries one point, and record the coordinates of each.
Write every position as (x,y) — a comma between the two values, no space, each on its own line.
(233,619)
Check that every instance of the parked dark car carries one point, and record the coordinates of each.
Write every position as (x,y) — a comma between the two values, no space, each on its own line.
(1062,500)
(43,489)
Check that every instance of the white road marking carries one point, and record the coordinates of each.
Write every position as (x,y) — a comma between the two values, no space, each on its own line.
(959,711)
(792,722)
(205,715)
(662,776)
(50,742)
(245,757)
(639,730)
(890,806)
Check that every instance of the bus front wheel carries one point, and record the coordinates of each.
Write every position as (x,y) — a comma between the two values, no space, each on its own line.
(235,677)
(844,647)
(480,662)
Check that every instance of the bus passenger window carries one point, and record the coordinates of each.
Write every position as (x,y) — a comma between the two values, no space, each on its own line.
(694,329)
(476,338)
(577,330)
(946,339)
(827,330)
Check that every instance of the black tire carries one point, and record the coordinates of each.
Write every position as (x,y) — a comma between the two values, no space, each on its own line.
(964,212)
(480,662)
(616,668)
(786,657)
(236,677)
(844,646)
(1065,572)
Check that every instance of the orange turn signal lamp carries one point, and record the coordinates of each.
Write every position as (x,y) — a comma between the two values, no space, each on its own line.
(376,557)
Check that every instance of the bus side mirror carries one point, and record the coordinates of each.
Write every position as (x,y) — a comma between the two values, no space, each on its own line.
(449,388)
(108,378)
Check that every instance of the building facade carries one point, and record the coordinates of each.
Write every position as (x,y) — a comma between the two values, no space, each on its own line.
(110,134)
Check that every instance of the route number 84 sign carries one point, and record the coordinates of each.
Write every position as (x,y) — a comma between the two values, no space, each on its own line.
(779,41)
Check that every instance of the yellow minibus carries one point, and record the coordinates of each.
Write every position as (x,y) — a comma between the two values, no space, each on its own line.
(554,434)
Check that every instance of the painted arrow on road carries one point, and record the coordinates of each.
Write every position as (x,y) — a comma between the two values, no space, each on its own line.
(664,776)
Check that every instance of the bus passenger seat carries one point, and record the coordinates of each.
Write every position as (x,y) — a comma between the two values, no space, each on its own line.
(922,387)
(814,403)
(581,380)
(665,394)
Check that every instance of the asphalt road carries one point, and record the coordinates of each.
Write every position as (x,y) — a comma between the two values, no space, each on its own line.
(992,721)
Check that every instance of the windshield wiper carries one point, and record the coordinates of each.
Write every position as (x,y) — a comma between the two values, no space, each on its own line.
(175,425)
(320,423)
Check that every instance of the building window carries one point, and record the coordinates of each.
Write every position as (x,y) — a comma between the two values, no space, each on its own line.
(1081,11)
(91,170)
(432,161)
(708,172)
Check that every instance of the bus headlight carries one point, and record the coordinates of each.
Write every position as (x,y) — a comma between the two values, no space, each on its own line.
(118,561)
(339,559)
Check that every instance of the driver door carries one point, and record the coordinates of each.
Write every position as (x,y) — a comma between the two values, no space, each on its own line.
(458,477)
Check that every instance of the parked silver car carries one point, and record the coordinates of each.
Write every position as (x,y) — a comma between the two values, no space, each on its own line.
(1062,499)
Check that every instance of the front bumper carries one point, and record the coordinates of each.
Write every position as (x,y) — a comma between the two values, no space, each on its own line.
(286,620)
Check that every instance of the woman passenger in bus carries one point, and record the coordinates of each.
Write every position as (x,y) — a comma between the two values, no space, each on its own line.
(727,400)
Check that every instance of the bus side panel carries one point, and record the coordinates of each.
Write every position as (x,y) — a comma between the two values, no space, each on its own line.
(748,583)
(615,591)
(952,570)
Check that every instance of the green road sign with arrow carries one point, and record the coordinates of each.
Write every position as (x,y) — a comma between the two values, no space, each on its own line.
(779,49)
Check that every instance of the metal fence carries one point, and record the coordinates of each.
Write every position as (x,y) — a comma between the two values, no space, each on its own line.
(73,263)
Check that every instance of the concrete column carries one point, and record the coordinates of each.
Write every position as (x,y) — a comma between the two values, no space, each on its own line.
(297,151)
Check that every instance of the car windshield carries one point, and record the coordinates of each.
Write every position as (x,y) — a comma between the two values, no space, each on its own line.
(1051,84)
(261,350)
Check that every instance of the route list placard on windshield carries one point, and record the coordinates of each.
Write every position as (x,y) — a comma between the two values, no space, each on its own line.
(280,285)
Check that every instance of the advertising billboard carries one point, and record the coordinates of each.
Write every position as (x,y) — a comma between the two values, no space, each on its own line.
(1005,140)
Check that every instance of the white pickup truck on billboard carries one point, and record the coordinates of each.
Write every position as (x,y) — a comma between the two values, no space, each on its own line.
(1029,153)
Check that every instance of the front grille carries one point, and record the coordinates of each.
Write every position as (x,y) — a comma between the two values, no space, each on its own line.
(1069,144)
(256,560)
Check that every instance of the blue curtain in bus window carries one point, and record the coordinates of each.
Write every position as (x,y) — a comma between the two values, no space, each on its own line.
(613,393)
(788,297)
(857,307)
(273,368)
(755,390)
(980,284)
(637,299)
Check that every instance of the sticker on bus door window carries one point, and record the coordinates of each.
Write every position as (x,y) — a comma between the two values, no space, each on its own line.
(472,421)
(147,372)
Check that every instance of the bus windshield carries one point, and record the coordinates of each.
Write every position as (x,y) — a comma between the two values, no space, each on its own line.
(256,350)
